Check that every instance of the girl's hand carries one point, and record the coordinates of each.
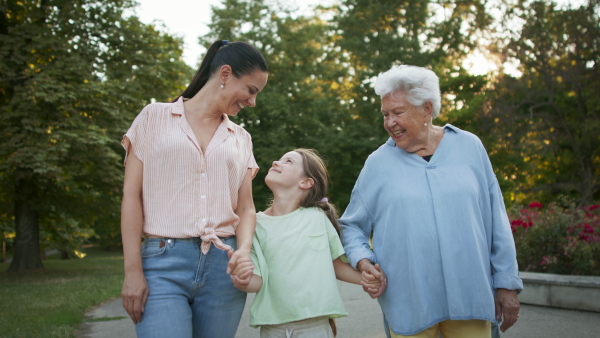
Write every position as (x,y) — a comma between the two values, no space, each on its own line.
(241,272)
(235,257)
(374,281)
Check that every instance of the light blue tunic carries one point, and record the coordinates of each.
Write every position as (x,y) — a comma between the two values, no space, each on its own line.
(440,232)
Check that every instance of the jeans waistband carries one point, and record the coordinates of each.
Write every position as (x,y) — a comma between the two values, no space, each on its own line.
(190,239)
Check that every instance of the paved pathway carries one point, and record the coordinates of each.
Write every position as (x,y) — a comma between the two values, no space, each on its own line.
(364,321)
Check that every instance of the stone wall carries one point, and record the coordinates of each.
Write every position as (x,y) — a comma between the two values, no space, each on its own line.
(568,292)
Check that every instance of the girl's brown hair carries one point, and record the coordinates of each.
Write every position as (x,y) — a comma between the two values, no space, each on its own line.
(315,168)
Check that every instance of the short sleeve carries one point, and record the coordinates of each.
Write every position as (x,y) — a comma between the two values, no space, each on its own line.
(258,259)
(135,137)
(335,243)
(251,162)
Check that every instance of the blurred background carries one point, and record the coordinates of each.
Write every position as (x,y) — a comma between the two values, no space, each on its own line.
(522,75)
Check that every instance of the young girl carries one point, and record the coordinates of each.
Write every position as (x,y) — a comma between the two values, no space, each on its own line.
(295,242)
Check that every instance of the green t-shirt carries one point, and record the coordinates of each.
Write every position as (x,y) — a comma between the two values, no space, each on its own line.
(293,254)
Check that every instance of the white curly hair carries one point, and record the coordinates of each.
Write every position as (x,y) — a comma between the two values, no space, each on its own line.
(420,85)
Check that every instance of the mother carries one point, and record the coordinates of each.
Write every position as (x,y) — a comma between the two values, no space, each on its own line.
(432,204)
(188,192)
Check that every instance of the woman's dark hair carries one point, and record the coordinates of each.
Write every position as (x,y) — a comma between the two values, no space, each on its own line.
(242,57)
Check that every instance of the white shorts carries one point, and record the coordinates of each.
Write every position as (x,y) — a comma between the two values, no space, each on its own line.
(317,327)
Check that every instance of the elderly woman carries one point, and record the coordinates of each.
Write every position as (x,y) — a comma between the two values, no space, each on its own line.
(432,204)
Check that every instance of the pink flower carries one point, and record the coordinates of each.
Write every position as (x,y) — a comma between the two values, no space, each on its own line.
(548,260)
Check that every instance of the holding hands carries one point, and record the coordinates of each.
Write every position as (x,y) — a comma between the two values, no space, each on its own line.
(373,279)
(241,274)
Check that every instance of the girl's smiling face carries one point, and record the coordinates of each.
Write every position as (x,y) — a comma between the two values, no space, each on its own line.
(288,171)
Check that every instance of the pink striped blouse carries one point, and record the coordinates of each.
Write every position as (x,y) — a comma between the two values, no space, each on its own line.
(187,193)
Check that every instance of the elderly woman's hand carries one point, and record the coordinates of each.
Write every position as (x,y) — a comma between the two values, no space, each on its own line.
(507,308)
(373,279)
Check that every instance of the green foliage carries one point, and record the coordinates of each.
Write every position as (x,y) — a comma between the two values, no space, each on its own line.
(73,75)
(65,234)
(560,238)
(546,122)
(52,303)
(302,104)
(379,34)
(319,93)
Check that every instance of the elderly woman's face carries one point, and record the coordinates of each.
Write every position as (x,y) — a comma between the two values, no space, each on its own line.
(404,122)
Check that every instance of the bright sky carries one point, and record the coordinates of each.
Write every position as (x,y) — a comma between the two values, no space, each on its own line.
(190,18)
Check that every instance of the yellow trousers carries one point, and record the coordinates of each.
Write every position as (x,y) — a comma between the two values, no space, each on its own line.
(473,328)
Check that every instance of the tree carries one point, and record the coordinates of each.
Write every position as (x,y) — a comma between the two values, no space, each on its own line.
(73,74)
(301,106)
(321,68)
(434,34)
(549,116)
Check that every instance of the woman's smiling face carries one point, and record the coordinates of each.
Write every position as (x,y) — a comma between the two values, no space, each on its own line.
(404,122)
(242,92)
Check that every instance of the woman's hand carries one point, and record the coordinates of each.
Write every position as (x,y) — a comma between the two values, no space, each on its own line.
(135,288)
(373,280)
(507,308)
(236,257)
(241,273)
(134,295)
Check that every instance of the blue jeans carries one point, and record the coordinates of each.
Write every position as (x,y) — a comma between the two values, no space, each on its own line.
(191,294)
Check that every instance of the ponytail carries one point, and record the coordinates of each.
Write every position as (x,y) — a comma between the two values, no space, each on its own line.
(330,211)
(203,72)
(315,168)
(242,57)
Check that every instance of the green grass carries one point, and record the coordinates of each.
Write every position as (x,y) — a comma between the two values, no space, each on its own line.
(52,302)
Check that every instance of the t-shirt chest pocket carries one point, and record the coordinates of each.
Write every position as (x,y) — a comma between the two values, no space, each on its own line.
(318,242)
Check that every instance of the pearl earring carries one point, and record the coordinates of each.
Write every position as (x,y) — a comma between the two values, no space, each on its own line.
(425,124)
(222,84)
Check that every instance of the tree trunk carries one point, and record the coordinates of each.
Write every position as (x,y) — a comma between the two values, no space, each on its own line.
(27,242)
(587,181)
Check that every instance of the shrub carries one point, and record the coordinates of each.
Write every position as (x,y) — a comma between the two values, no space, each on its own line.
(560,238)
